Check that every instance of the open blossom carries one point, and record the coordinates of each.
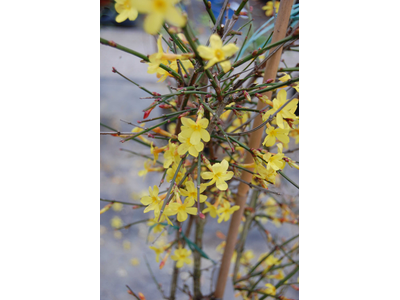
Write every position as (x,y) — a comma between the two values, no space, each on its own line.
(270,289)
(275,162)
(171,155)
(171,172)
(217,52)
(188,146)
(161,57)
(181,255)
(219,175)
(159,11)
(269,8)
(149,167)
(126,9)
(152,201)
(286,113)
(195,130)
(191,192)
(211,209)
(225,211)
(158,251)
(276,133)
(182,209)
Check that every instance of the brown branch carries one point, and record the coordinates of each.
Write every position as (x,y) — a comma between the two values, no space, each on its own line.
(254,142)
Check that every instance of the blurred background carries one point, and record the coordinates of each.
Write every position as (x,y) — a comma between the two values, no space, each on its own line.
(122,251)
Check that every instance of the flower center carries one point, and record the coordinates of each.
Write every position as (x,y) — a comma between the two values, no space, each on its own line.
(127,5)
(218,175)
(160,5)
(219,54)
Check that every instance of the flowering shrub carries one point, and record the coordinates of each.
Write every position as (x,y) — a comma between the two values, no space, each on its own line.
(234,118)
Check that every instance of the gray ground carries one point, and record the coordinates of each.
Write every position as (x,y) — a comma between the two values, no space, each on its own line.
(120,181)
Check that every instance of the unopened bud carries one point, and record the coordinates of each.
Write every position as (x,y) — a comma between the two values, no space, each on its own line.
(269,80)
(183,115)
(114,70)
(247,96)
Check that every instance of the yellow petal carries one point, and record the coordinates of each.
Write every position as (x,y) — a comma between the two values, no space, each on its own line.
(226,65)
(122,16)
(132,15)
(211,63)
(203,123)
(153,22)
(143,6)
(205,136)
(188,122)
(230,49)
(205,52)
(175,17)
(215,41)
(207,175)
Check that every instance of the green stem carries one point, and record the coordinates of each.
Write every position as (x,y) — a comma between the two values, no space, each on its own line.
(140,55)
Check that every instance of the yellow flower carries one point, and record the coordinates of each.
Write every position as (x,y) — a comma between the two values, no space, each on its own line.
(269,10)
(195,130)
(157,12)
(225,212)
(219,175)
(270,289)
(125,9)
(171,155)
(246,257)
(182,209)
(278,276)
(157,228)
(181,256)
(191,191)
(211,209)
(217,52)
(137,130)
(171,172)
(276,133)
(148,167)
(152,201)
(275,162)
(287,112)
(163,58)
(158,251)
(272,207)
(188,146)
(156,151)
(271,260)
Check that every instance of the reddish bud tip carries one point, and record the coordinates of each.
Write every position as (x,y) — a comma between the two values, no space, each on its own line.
(114,70)
(150,135)
(202,216)
(254,53)
(269,80)
(112,43)
(139,122)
